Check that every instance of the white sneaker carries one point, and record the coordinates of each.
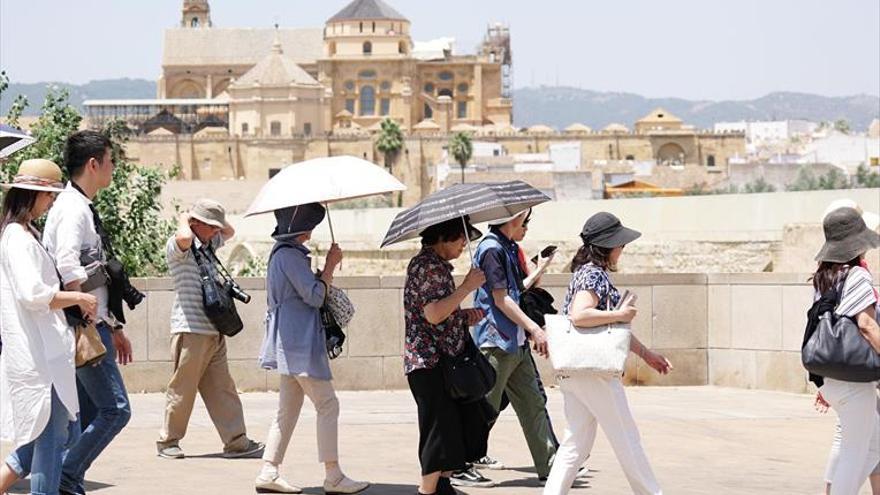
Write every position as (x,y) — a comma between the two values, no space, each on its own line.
(344,485)
(275,485)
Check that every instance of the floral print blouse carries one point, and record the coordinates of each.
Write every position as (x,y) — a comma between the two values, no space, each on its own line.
(591,277)
(429,279)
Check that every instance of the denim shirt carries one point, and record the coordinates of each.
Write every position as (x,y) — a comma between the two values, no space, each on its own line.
(496,329)
(294,343)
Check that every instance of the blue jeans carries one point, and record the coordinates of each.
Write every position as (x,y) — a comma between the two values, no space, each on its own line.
(42,457)
(105,411)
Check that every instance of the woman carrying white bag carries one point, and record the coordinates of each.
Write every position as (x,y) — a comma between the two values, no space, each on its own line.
(593,314)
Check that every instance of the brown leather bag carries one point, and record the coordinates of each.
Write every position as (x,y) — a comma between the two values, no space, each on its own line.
(89,348)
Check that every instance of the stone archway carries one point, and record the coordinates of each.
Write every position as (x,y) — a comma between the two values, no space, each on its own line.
(671,154)
(187,88)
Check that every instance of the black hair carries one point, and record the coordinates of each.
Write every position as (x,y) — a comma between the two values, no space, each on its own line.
(17,205)
(81,146)
(450,230)
(828,274)
(596,255)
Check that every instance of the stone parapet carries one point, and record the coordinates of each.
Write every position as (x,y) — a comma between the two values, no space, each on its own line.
(739,330)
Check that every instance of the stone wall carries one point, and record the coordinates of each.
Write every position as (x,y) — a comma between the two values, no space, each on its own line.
(730,330)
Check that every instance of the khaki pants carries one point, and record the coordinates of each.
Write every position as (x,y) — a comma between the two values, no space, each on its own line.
(516,375)
(290,400)
(200,365)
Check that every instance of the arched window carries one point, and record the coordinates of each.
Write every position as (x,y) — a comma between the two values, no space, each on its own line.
(461,110)
(710,161)
(401,47)
(368,100)
(429,88)
(445,92)
(368,48)
(429,112)
(194,22)
(463,88)
(385,86)
(361,28)
(374,26)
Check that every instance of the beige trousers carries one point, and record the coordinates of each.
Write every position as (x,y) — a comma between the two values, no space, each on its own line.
(293,389)
(200,365)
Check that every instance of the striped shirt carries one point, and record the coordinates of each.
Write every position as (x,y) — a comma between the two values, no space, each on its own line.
(187,311)
(857,294)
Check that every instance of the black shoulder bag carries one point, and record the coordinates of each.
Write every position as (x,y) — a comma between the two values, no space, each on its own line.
(217,290)
(835,348)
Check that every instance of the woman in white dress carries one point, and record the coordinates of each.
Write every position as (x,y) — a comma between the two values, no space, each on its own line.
(38,400)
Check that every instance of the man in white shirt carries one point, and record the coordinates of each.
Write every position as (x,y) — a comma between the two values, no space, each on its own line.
(70,233)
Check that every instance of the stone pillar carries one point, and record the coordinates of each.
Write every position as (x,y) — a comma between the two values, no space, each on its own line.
(209,86)
(478,94)
(443,112)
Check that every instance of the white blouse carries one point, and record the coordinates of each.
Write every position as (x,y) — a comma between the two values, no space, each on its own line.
(38,345)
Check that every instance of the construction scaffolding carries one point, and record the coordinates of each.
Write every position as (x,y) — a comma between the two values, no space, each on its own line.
(496,46)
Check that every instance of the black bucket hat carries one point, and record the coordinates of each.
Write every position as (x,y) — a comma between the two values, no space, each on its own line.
(605,230)
(296,220)
(846,236)
(473,233)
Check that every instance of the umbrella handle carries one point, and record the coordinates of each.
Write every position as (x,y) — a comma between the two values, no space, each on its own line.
(467,236)
(330,224)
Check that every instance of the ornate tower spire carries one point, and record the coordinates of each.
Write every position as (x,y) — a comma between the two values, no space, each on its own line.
(196,14)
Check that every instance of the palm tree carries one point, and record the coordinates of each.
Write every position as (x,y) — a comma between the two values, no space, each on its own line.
(390,141)
(462,149)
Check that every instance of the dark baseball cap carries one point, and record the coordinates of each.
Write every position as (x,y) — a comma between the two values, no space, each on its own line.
(605,230)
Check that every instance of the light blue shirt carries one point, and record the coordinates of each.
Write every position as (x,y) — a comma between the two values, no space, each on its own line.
(294,343)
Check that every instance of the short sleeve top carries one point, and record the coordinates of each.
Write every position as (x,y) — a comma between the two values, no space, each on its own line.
(596,279)
(857,293)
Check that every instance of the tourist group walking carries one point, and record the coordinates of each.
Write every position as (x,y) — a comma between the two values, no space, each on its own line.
(471,349)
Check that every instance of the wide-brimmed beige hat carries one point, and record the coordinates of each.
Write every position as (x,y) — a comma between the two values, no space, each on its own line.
(210,212)
(501,221)
(37,174)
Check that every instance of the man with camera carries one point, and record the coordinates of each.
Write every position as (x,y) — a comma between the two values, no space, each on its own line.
(76,239)
(198,350)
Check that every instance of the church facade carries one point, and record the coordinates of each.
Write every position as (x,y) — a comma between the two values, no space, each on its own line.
(360,68)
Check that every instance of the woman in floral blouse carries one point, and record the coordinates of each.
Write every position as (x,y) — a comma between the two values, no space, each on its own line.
(451,434)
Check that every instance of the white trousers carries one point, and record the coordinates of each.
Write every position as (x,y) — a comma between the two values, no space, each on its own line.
(856,408)
(592,400)
(834,455)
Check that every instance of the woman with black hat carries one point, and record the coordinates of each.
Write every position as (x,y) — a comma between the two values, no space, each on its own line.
(451,434)
(295,346)
(847,239)
(38,400)
(592,399)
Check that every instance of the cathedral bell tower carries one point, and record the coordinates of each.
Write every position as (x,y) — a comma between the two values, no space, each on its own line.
(196,14)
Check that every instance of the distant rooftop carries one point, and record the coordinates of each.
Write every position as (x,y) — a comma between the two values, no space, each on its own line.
(367,10)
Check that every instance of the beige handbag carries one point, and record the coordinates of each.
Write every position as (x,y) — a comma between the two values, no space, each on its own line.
(89,348)
(601,350)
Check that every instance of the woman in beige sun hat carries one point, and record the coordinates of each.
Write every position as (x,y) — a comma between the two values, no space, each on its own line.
(38,400)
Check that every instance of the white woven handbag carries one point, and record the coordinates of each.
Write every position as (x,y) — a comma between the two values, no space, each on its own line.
(597,350)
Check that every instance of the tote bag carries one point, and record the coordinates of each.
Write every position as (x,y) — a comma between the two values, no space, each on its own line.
(597,350)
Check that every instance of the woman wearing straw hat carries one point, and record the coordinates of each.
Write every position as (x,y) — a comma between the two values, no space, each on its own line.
(847,239)
(38,400)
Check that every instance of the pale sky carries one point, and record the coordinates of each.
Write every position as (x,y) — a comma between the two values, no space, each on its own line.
(695,49)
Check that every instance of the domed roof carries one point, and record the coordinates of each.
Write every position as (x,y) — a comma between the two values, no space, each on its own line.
(367,10)
(577,127)
(540,129)
(275,70)
(615,128)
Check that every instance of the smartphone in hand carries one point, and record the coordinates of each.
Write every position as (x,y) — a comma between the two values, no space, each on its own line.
(545,253)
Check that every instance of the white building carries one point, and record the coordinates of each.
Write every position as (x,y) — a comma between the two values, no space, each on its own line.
(769,131)
(843,150)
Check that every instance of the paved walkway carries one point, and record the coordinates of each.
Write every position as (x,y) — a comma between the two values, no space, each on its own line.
(701,440)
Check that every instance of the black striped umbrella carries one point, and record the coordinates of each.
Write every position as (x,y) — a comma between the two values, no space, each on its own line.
(482,202)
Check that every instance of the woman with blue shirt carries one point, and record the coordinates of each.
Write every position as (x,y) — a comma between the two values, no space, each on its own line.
(295,346)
